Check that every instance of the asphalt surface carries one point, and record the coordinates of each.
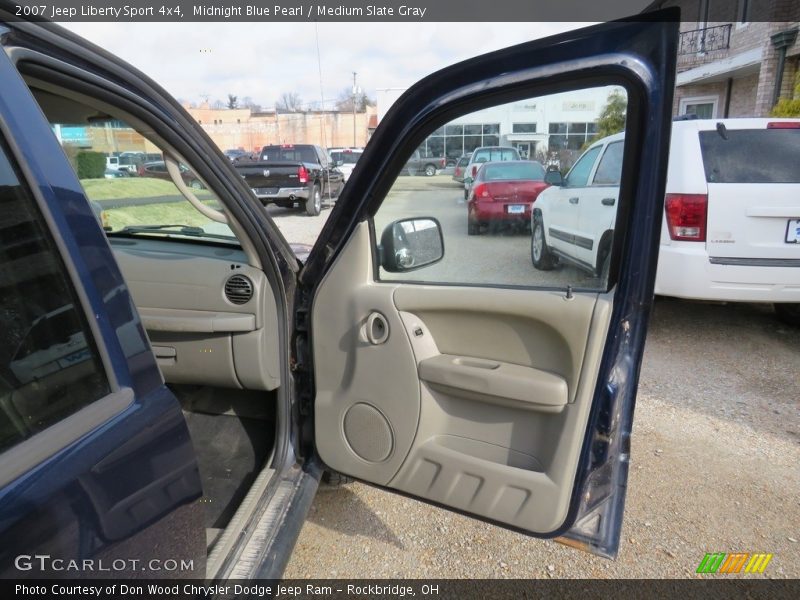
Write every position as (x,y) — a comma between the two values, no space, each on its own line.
(715,446)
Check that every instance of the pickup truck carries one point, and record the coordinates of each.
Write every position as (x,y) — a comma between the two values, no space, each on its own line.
(292,174)
(428,166)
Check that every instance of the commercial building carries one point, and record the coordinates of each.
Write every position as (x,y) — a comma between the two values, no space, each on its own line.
(536,127)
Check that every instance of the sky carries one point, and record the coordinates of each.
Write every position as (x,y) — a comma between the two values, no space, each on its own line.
(264,60)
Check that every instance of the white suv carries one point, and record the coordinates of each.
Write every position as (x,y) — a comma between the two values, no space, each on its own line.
(731,228)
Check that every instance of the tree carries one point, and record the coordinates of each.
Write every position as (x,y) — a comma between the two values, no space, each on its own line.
(233,101)
(218,105)
(344,101)
(789,107)
(289,102)
(612,117)
(247,102)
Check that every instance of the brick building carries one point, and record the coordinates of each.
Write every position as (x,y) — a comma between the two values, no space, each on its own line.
(242,128)
(735,57)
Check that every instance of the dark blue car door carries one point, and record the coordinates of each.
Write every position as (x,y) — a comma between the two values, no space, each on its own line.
(96,462)
(477,383)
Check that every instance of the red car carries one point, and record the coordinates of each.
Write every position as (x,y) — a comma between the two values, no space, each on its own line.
(504,192)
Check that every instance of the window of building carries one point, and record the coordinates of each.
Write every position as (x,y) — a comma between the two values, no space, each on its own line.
(570,136)
(523,128)
(705,107)
(455,139)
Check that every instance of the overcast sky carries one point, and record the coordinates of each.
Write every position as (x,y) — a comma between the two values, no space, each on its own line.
(263,60)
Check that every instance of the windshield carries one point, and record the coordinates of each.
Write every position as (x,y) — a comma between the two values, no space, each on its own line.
(124,175)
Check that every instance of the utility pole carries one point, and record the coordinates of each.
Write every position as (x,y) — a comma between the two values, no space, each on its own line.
(355,92)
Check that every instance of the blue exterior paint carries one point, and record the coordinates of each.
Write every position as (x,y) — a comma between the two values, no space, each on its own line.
(129,489)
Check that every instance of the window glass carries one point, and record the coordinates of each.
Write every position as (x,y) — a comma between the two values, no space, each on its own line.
(579,175)
(704,110)
(610,168)
(523,128)
(487,222)
(49,365)
(125,176)
(751,156)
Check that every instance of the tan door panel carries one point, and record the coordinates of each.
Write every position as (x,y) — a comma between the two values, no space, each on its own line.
(477,398)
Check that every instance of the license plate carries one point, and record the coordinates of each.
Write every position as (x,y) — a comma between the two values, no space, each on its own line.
(516,209)
(793,231)
(265,191)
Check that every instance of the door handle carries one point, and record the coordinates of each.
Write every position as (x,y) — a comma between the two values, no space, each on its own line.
(376,329)
(573,200)
(608,201)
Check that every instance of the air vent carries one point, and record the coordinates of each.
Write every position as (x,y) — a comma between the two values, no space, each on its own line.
(239,289)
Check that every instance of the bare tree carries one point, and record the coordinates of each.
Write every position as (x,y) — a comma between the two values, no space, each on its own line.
(218,105)
(233,101)
(289,102)
(247,102)
(344,101)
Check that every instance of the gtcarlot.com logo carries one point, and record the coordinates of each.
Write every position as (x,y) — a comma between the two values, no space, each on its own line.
(738,562)
(46,563)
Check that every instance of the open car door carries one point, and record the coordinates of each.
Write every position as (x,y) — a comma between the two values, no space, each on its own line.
(439,364)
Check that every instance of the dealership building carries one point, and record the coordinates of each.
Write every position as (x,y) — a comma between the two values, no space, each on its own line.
(536,127)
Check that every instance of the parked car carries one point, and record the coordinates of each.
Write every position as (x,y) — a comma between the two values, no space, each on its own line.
(293,174)
(158,169)
(486,154)
(211,380)
(504,192)
(345,160)
(234,154)
(418,164)
(732,213)
(115,174)
(573,220)
(460,170)
(730,219)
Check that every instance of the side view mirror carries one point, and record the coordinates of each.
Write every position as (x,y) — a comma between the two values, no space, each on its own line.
(468,180)
(554,178)
(410,244)
(338,163)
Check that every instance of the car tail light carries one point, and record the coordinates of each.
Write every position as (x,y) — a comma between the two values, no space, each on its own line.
(140,170)
(474,171)
(686,216)
(302,174)
(482,191)
(443,163)
(783,125)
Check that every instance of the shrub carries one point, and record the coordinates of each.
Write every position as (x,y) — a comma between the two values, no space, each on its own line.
(789,107)
(91,165)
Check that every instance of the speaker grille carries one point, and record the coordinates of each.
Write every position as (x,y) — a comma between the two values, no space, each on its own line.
(368,433)
(239,289)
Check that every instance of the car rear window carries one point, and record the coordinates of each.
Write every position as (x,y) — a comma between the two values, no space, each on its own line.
(495,154)
(527,170)
(751,155)
(347,158)
(289,153)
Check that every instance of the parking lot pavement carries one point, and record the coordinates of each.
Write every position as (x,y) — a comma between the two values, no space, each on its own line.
(714,449)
